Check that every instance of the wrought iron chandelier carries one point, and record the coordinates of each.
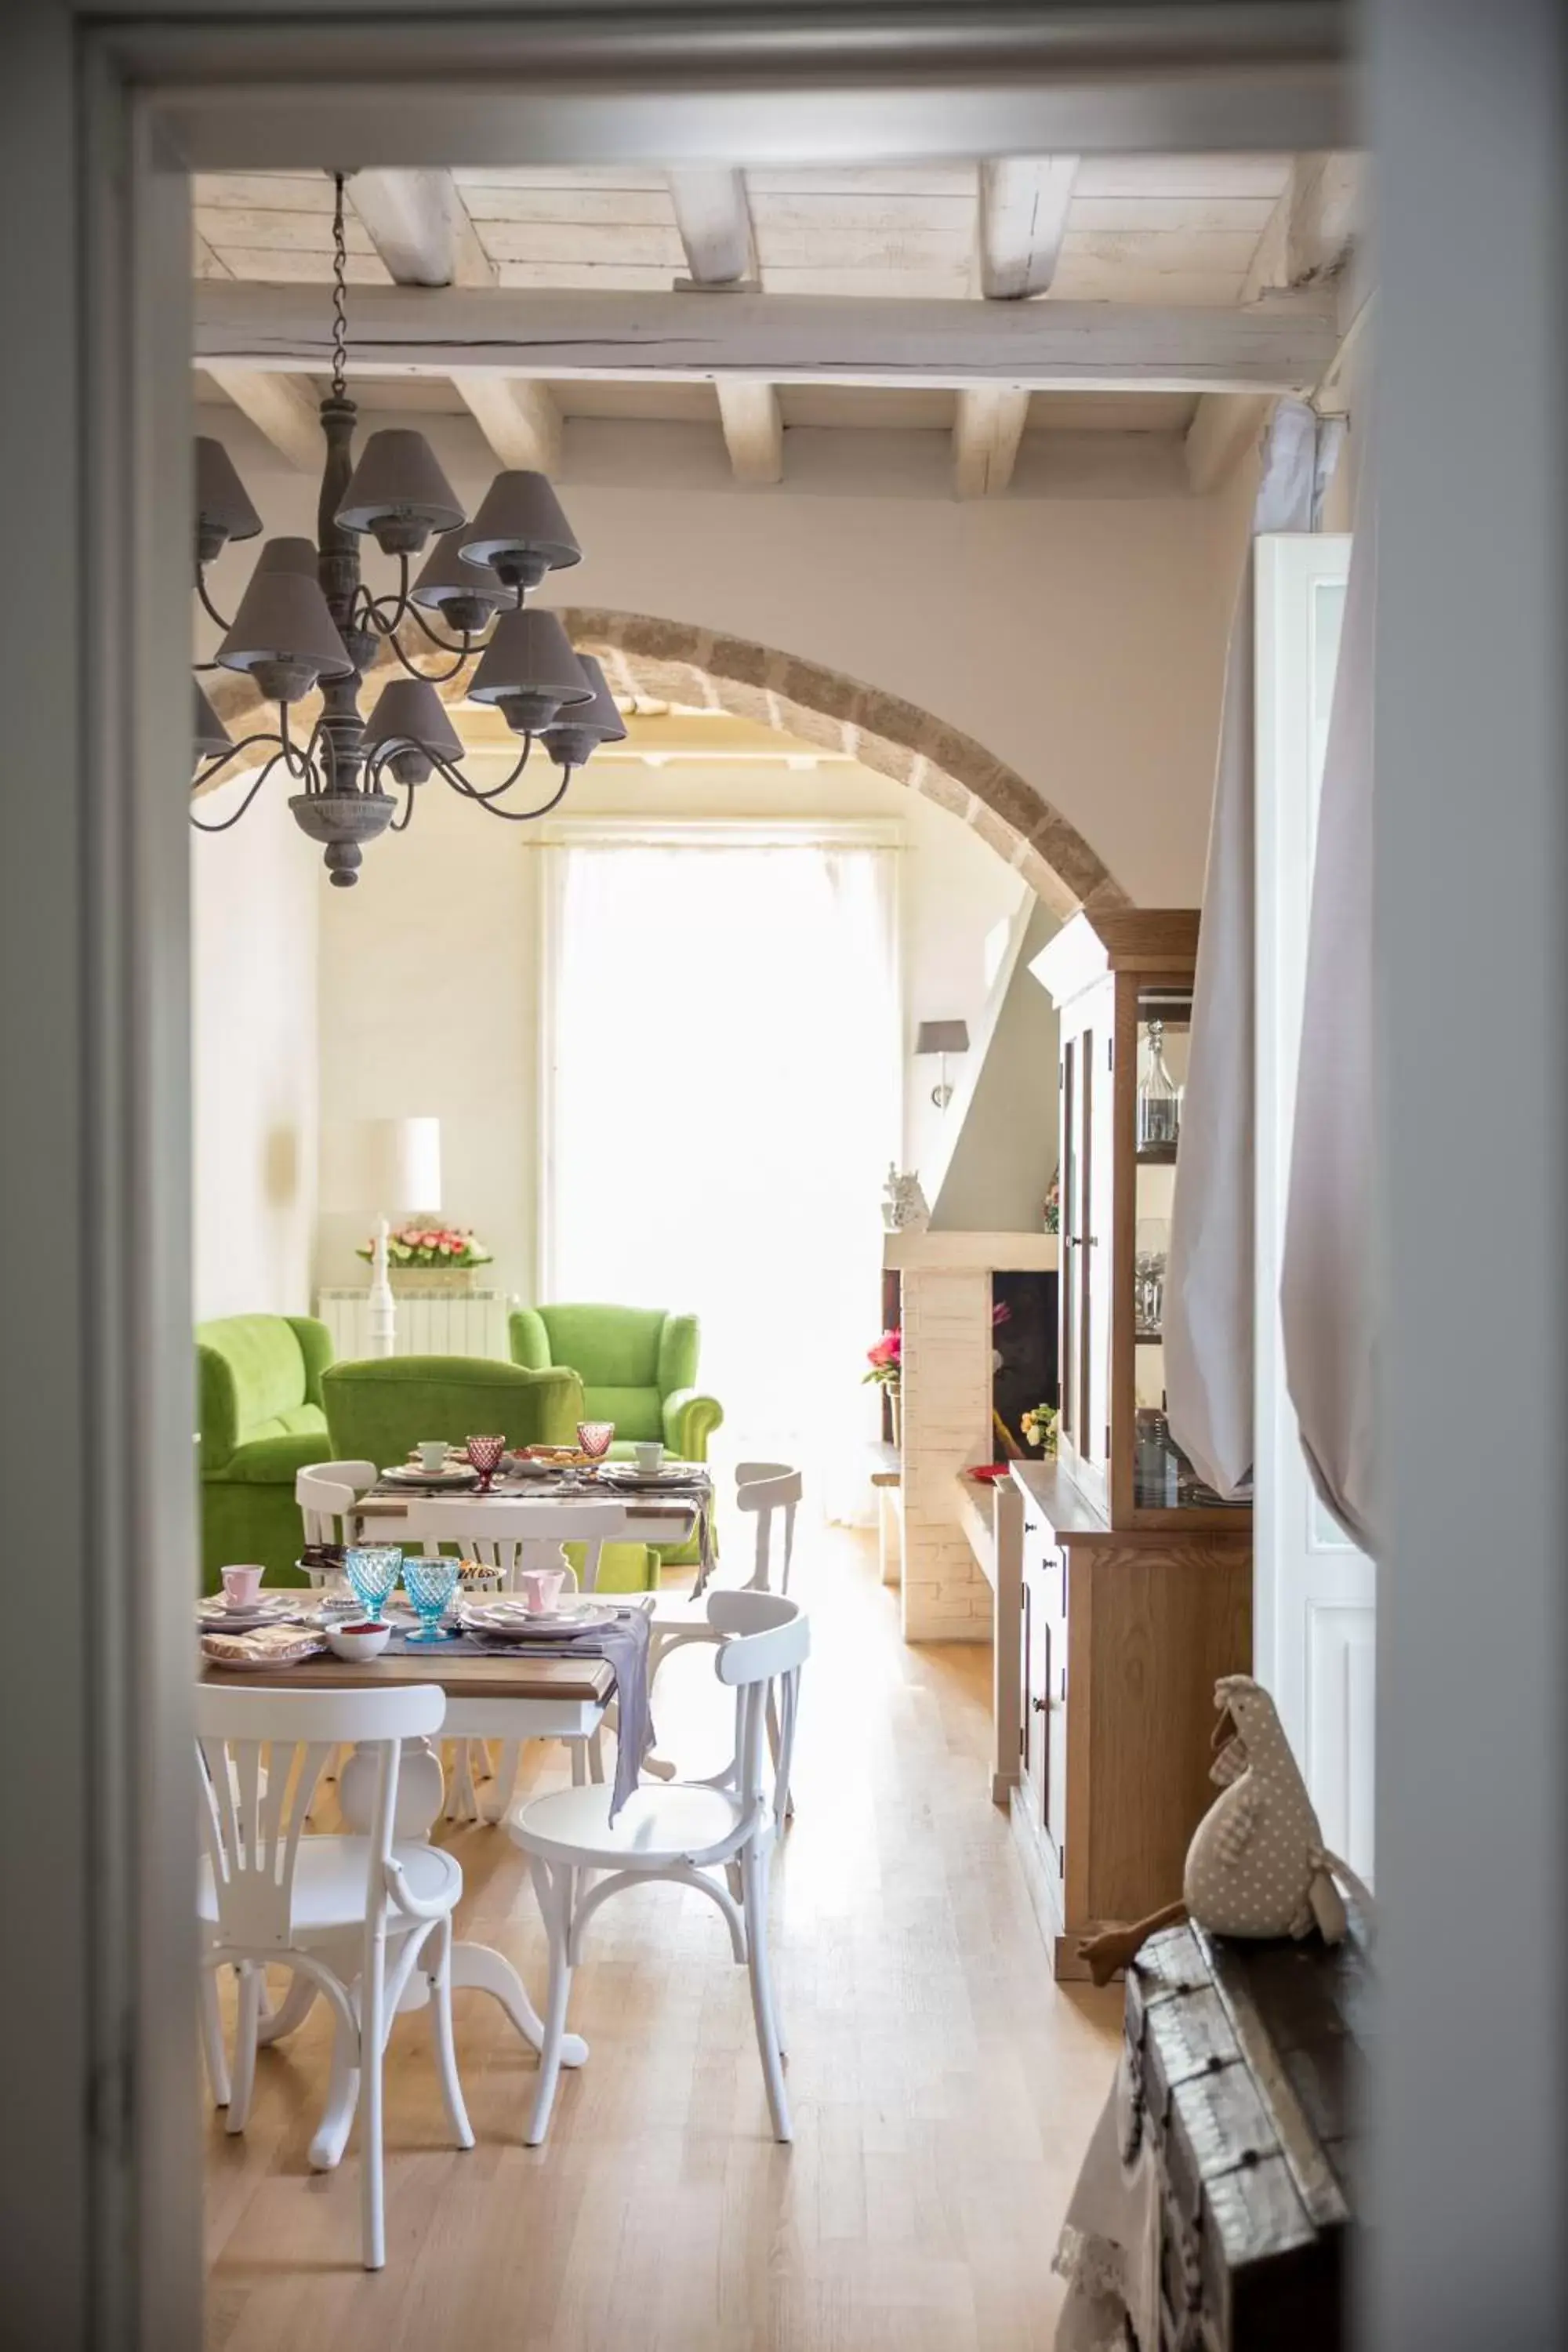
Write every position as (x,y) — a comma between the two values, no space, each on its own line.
(308,620)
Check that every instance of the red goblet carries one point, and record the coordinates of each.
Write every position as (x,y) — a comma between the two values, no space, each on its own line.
(595,1438)
(485,1455)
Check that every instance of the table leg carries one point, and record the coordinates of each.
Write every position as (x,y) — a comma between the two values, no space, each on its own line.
(479,1969)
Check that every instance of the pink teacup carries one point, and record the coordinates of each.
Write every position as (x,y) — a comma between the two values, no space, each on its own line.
(241,1585)
(542,1589)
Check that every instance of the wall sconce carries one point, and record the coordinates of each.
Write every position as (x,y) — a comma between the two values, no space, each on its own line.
(943,1038)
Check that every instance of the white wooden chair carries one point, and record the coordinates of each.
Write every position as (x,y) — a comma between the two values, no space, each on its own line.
(326,1494)
(681,1831)
(771,1492)
(351,1916)
(510,1533)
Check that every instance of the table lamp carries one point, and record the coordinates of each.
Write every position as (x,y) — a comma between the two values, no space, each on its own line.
(383,1167)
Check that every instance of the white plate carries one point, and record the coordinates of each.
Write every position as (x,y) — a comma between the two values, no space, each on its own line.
(497,1622)
(404,1473)
(215,1616)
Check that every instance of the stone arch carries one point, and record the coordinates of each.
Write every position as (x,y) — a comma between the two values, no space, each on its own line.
(676,661)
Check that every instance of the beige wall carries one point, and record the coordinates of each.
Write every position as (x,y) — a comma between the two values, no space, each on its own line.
(430,974)
(1076,629)
(253,953)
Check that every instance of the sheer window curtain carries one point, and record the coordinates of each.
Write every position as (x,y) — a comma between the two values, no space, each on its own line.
(722,1082)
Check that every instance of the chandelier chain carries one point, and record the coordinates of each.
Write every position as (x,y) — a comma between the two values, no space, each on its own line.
(339,292)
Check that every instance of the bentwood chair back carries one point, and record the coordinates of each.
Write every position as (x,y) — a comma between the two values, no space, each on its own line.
(350,1915)
(326,1494)
(772,1491)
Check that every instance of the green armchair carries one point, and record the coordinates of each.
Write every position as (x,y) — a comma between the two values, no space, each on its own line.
(258,1382)
(638,1369)
(377,1410)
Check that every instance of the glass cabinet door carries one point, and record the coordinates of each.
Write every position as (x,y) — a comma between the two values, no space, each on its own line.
(1162,1477)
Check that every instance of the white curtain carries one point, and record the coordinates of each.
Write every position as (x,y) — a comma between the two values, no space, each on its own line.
(1208,1310)
(1327,1279)
(723,1075)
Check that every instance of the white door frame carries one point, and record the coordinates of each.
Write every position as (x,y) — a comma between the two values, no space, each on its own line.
(1313,1611)
(100,110)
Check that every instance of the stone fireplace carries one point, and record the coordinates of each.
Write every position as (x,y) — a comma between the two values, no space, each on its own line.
(950,1286)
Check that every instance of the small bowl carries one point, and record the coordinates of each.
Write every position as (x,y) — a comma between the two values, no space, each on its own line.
(357,1643)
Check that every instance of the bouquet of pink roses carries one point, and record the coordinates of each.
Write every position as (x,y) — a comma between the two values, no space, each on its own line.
(431,1245)
(886,1359)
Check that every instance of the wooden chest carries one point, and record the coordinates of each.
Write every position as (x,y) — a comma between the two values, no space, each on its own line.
(1245,2062)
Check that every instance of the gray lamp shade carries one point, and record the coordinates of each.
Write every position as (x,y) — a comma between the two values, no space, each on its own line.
(399,493)
(577,734)
(943,1037)
(212,735)
(465,594)
(284,635)
(223,509)
(530,671)
(411,716)
(520,532)
(289,555)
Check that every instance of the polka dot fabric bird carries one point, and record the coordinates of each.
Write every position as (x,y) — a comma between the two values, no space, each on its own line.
(1257,1865)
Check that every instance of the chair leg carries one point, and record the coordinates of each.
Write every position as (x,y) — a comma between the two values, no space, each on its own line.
(506,1782)
(597,1757)
(244,2080)
(371,2035)
(754,1879)
(342,2097)
(290,2013)
(555,1885)
(576,1750)
(213,2051)
(440,1982)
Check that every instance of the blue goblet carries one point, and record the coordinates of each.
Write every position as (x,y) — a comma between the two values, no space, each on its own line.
(372,1571)
(429,1584)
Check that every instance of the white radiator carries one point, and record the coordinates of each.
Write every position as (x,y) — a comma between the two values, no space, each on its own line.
(430,1323)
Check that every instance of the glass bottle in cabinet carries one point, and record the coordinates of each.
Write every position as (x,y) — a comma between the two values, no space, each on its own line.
(1122,983)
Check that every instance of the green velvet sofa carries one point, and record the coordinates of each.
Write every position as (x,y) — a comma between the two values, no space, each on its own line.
(259,1383)
(638,1369)
(377,1410)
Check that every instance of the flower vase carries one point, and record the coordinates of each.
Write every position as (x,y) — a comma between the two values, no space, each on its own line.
(895,1414)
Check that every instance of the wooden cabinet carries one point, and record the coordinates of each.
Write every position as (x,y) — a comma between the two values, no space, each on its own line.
(1122,1638)
(1137,1580)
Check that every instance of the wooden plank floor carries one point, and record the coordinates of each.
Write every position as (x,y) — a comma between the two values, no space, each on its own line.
(943,2086)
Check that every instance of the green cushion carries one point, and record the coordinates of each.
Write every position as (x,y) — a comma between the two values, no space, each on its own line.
(637,1413)
(258,1376)
(377,1408)
(271,1460)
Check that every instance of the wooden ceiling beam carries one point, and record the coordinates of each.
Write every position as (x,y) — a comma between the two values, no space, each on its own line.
(715,224)
(518,417)
(986,432)
(1280,345)
(419,224)
(277,406)
(1024,202)
(753,429)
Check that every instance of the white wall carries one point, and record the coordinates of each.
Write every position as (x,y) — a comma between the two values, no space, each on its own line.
(253,899)
(1076,629)
(430,974)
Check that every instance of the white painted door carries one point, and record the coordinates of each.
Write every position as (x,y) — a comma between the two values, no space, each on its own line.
(1314,1597)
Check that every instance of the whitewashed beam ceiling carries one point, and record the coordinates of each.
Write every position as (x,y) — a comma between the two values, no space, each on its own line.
(1284,344)
(715,225)
(1024,202)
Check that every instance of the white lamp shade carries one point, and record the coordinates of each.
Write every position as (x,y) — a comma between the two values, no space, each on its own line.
(382,1166)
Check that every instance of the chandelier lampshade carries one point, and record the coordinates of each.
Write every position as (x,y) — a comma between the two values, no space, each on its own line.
(573,738)
(530,672)
(289,555)
(283,634)
(411,716)
(309,618)
(212,736)
(223,509)
(399,493)
(520,532)
(465,594)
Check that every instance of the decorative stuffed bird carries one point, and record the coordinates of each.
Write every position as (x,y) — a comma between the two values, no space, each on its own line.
(1257,1865)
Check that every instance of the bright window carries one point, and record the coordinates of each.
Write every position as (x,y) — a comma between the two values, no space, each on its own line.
(722,1072)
